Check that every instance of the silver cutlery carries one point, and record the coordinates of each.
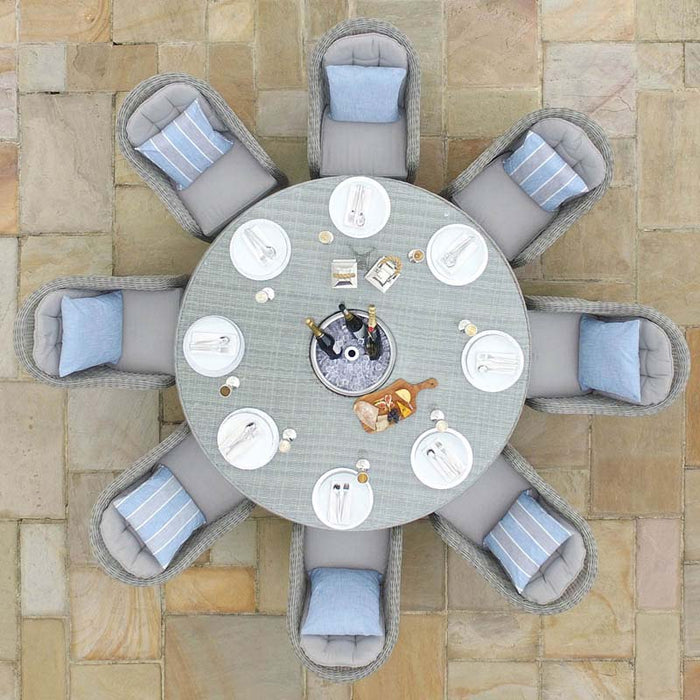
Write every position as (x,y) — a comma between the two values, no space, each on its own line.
(496,369)
(452,256)
(355,215)
(333,500)
(497,357)
(455,467)
(438,464)
(259,245)
(247,433)
(345,497)
(211,343)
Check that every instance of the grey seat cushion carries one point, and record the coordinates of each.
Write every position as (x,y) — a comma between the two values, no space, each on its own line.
(359,148)
(554,354)
(505,212)
(233,183)
(655,362)
(346,550)
(148,340)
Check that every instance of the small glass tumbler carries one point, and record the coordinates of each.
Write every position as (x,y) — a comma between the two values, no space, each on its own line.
(264,295)
(467,327)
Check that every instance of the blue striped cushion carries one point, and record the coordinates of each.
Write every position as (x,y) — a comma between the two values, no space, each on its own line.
(543,174)
(186,147)
(161,513)
(525,537)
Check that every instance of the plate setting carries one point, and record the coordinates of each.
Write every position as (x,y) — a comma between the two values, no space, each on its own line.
(441,459)
(213,346)
(457,254)
(492,361)
(359,207)
(260,249)
(248,438)
(340,501)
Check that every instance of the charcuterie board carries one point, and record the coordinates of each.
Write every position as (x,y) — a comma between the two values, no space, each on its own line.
(383,408)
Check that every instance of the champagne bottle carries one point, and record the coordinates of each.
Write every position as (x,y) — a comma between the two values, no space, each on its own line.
(324,340)
(355,325)
(373,341)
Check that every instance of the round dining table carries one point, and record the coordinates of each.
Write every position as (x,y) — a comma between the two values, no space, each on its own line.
(276,375)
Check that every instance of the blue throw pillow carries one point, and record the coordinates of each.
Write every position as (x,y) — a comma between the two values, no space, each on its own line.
(543,174)
(525,537)
(186,146)
(365,93)
(344,602)
(608,357)
(161,513)
(92,332)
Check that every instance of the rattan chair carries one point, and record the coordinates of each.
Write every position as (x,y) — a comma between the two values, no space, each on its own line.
(199,542)
(489,567)
(570,211)
(103,375)
(594,403)
(319,95)
(298,593)
(159,182)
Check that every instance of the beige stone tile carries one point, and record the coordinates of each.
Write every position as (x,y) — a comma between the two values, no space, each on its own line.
(477,114)
(637,465)
(94,415)
(573,485)
(531,271)
(231,73)
(502,53)
(416,666)
(274,537)
(278,46)
(592,290)
(109,67)
(691,679)
(231,20)
(8,94)
(110,620)
(660,66)
(70,20)
(431,173)
(8,305)
(423,568)
(124,173)
(692,65)
(602,625)
(211,590)
(8,22)
(44,258)
(171,410)
(691,609)
(66,183)
(595,78)
(463,152)
(483,680)
(600,245)
(290,157)
(282,113)
(492,636)
(667,276)
(549,440)
(596,20)
(320,689)
(8,591)
(183,58)
(692,401)
(43,557)
(321,15)
(583,680)
(668,20)
(9,185)
(168,429)
(158,20)
(31,461)
(147,240)
(467,590)
(43,659)
(658,655)
(210,656)
(625,157)
(9,687)
(692,515)
(115,682)
(658,564)
(83,490)
(42,68)
(237,547)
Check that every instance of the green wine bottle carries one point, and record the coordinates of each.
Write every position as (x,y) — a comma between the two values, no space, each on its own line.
(373,341)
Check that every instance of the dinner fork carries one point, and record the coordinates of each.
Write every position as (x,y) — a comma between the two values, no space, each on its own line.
(248,432)
(345,498)
(255,240)
(456,467)
(452,256)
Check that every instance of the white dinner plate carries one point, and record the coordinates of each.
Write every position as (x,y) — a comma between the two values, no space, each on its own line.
(208,362)
(258,450)
(471,263)
(496,342)
(431,474)
(248,263)
(358,504)
(376,211)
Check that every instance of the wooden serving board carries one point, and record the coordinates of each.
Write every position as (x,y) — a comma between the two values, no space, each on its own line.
(377,397)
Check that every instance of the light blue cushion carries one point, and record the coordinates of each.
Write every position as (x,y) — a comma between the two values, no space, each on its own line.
(365,93)
(344,602)
(525,538)
(608,357)
(92,332)
(161,513)
(186,146)
(543,174)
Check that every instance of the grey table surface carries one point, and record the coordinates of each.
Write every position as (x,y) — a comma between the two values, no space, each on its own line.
(276,374)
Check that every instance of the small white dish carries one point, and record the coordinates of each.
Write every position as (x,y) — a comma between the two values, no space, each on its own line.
(359,499)
(212,363)
(435,475)
(376,212)
(248,263)
(470,264)
(491,342)
(255,452)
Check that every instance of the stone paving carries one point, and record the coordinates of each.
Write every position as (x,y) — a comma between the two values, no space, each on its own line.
(71,205)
